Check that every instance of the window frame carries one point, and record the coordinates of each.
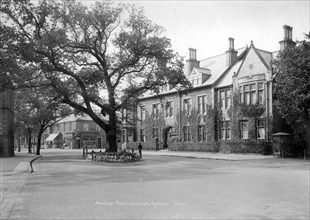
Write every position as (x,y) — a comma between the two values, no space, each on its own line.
(202,108)
(169,109)
(155,107)
(247,129)
(188,106)
(260,126)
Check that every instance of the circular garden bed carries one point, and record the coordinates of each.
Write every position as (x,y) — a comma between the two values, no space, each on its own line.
(112,157)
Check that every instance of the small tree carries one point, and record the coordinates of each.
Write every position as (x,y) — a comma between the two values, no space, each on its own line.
(36,111)
(96,58)
(292,88)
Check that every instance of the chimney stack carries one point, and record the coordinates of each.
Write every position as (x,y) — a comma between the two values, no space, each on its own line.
(231,54)
(192,61)
(287,38)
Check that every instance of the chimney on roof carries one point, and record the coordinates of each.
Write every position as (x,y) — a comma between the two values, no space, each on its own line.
(231,54)
(287,38)
(191,62)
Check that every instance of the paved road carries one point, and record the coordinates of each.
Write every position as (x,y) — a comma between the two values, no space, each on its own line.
(161,187)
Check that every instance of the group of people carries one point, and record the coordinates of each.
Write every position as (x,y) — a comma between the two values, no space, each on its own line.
(124,148)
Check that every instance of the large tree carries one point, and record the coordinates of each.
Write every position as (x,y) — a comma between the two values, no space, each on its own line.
(97,58)
(292,88)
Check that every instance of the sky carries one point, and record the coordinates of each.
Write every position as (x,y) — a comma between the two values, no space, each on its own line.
(206,25)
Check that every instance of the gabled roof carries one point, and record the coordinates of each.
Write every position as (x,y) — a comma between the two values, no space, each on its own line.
(264,56)
(217,66)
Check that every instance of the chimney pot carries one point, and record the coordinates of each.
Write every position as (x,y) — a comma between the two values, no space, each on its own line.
(192,54)
(231,43)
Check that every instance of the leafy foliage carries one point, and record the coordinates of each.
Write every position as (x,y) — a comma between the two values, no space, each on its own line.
(97,59)
(252,111)
(35,111)
(292,88)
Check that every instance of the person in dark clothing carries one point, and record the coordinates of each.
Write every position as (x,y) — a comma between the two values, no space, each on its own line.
(140,150)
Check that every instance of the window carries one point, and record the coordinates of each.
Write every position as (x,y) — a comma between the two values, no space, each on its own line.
(222,130)
(202,104)
(260,129)
(169,109)
(202,133)
(228,98)
(187,133)
(244,130)
(253,94)
(142,113)
(222,99)
(246,94)
(155,110)
(260,93)
(228,130)
(187,106)
(225,98)
(225,131)
(86,127)
(155,132)
(240,94)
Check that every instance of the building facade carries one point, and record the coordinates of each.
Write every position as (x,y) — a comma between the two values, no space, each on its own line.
(231,100)
(75,132)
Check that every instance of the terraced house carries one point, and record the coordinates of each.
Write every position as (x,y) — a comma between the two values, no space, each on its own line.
(229,107)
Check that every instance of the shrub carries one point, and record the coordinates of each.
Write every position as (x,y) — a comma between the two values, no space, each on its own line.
(241,146)
(194,146)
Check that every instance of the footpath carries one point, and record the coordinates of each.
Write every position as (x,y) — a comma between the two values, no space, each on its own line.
(209,155)
(13,174)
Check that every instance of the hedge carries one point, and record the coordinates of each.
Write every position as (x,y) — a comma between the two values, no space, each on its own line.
(229,146)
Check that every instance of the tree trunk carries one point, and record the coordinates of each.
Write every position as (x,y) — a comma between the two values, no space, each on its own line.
(39,141)
(111,133)
(29,142)
(18,141)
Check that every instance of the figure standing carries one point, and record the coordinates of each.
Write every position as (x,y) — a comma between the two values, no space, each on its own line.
(140,150)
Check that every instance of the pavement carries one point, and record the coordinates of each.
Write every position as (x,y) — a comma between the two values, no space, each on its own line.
(209,155)
(14,171)
(13,174)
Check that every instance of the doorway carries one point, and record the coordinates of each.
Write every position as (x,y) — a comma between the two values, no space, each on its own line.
(166,134)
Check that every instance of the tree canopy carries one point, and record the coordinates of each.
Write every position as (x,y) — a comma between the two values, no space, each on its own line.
(98,59)
(292,87)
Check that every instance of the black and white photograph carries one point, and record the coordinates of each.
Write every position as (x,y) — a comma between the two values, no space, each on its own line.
(154,109)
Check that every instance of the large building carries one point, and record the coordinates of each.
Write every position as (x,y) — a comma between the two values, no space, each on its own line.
(75,132)
(6,119)
(231,100)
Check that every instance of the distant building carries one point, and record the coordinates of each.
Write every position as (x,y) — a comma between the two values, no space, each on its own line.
(75,132)
(6,119)
(227,89)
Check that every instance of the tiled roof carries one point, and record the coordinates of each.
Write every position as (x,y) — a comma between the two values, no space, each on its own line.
(266,56)
(217,65)
(227,79)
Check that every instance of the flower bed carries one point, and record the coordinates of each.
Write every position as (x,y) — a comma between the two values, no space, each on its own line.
(113,157)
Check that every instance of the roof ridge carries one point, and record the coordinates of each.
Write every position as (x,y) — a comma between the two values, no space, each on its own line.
(263,50)
(221,54)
